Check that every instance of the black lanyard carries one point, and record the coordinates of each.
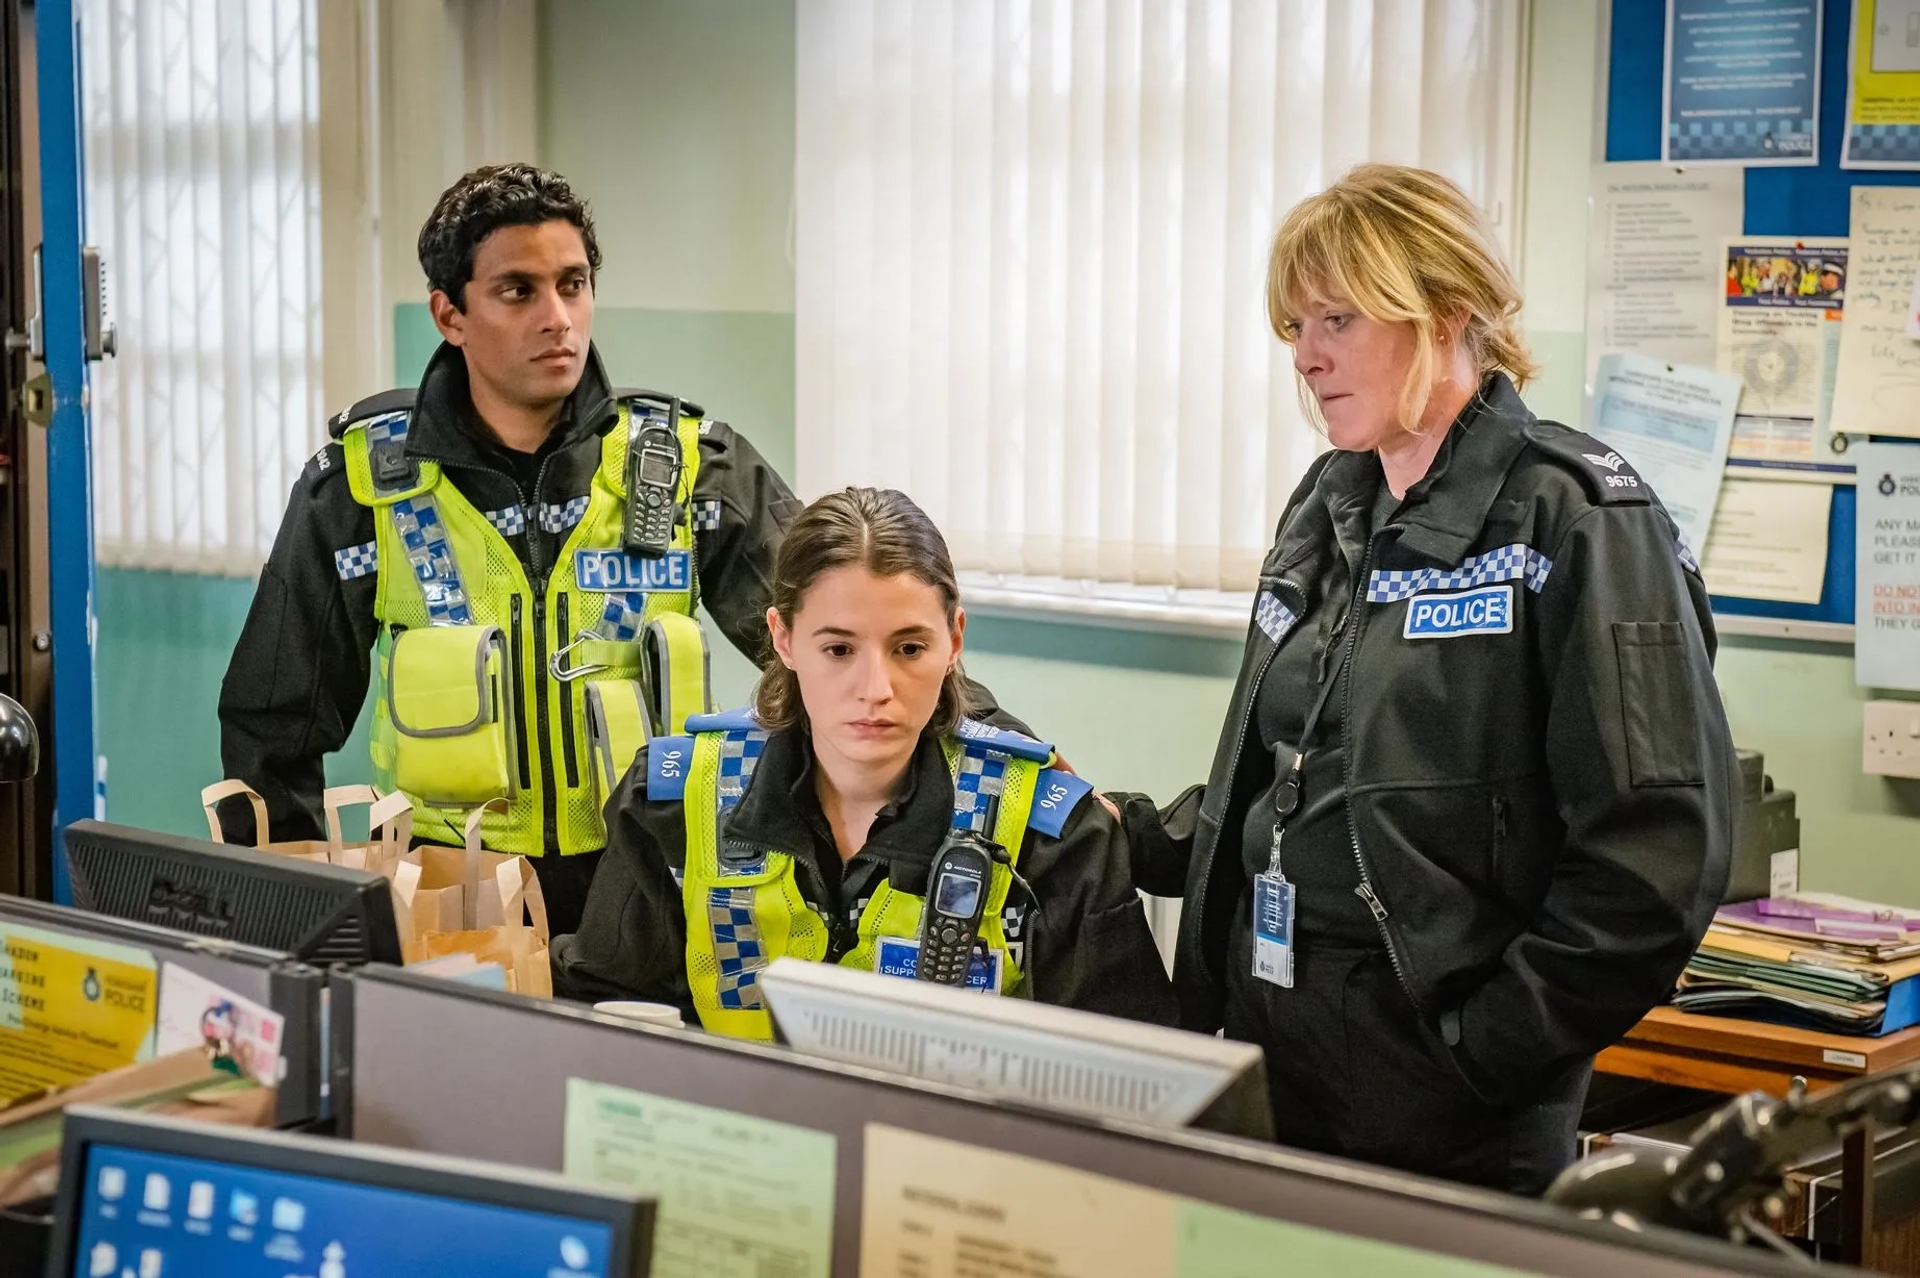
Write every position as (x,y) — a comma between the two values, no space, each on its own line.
(1287,787)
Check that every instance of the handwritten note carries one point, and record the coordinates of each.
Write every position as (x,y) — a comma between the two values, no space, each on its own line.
(1878,389)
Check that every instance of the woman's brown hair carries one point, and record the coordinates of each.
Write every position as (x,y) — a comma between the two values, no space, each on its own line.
(881,530)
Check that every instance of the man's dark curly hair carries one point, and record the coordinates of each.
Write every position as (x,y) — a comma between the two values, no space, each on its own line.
(484,201)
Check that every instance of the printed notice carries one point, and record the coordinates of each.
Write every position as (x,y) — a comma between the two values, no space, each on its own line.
(1781,300)
(1886,610)
(1742,82)
(1655,261)
(1215,1242)
(739,1197)
(1769,541)
(936,1208)
(1673,423)
(70,1008)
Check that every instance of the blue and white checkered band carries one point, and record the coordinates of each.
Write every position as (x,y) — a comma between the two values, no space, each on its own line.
(510,522)
(1884,143)
(1272,616)
(557,519)
(417,520)
(706,516)
(739,756)
(1518,562)
(736,948)
(624,616)
(1685,552)
(357,561)
(982,777)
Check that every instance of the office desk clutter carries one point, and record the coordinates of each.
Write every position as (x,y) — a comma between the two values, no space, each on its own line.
(1814,960)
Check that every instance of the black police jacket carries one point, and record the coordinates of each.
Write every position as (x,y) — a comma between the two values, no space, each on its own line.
(1540,782)
(299,674)
(1072,910)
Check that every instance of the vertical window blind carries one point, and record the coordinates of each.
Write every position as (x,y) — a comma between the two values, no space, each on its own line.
(202,181)
(1030,253)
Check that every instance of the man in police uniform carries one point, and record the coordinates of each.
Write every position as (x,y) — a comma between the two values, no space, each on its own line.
(514,421)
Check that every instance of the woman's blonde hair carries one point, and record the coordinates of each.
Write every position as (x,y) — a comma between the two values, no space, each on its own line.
(883,531)
(1403,245)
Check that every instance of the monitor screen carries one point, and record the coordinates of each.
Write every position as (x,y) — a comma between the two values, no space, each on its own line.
(313,912)
(252,1205)
(147,1215)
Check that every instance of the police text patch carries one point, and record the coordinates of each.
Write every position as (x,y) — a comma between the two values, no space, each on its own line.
(1486,611)
(616,570)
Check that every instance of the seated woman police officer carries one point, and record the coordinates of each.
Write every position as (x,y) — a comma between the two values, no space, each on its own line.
(809,827)
(1475,740)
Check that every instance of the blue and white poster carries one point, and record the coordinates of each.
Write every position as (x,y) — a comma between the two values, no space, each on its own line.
(1742,82)
(1886,609)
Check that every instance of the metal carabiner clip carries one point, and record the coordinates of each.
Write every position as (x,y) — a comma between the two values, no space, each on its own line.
(566,674)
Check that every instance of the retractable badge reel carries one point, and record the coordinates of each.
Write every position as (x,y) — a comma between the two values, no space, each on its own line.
(1273,895)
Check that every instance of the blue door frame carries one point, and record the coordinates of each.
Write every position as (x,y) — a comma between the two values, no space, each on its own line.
(69,446)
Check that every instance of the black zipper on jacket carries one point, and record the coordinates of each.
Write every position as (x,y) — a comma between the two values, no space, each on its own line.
(565,630)
(516,653)
(549,804)
(1356,624)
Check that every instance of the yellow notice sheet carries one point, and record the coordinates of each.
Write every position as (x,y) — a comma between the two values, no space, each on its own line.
(934,1208)
(739,1197)
(70,1008)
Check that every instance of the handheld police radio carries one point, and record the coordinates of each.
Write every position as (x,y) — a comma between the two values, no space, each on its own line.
(653,475)
(956,902)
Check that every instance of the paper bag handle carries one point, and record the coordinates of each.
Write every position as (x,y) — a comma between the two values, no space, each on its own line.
(345,796)
(519,886)
(471,894)
(406,882)
(229,789)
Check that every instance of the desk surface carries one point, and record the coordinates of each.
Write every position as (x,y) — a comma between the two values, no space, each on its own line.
(1724,1054)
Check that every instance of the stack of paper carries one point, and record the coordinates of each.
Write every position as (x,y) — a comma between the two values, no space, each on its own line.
(1814,960)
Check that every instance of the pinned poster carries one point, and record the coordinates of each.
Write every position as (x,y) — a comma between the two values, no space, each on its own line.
(70,1008)
(1655,257)
(1883,86)
(1780,302)
(1886,610)
(1877,391)
(1742,82)
(1674,424)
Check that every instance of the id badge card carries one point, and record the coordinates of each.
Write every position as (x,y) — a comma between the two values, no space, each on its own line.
(1273,929)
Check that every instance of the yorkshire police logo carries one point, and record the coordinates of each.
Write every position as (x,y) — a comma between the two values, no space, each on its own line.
(1887,486)
(1486,611)
(615,571)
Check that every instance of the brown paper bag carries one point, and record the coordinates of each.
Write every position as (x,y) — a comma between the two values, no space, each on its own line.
(303,849)
(502,912)
(389,828)
(389,821)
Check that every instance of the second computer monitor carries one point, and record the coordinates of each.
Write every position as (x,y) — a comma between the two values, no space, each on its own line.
(1058,1057)
(309,911)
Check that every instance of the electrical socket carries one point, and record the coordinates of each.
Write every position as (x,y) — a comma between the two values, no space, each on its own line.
(1892,739)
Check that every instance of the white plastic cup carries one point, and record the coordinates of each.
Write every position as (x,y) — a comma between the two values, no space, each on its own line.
(646,1013)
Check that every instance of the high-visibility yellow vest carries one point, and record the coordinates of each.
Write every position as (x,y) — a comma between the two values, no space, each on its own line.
(467,664)
(746,909)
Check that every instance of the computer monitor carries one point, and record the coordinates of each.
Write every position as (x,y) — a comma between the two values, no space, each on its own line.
(1055,1057)
(149,1197)
(306,910)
